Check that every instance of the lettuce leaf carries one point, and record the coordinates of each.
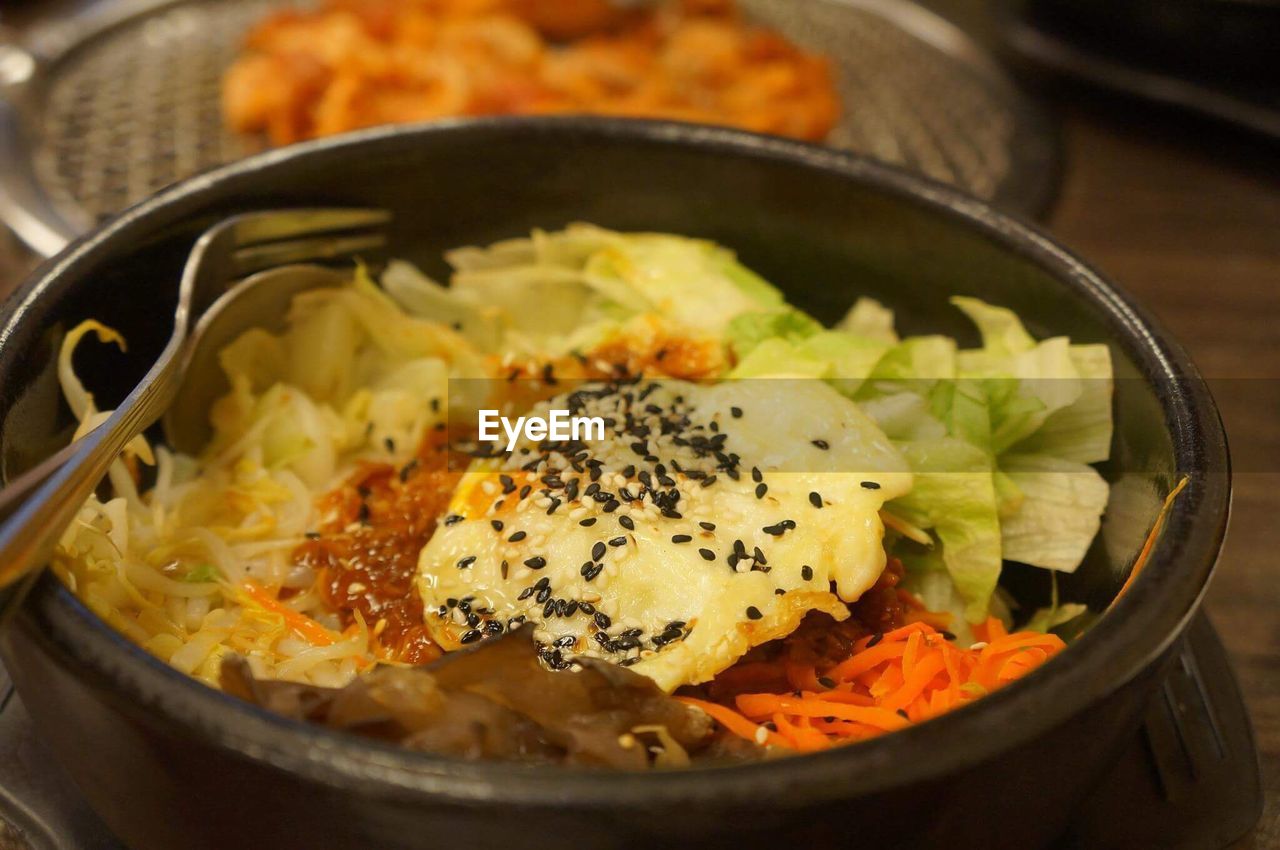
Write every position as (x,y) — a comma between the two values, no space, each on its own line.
(1080,431)
(869,319)
(841,359)
(954,495)
(748,330)
(999,438)
(1059,514)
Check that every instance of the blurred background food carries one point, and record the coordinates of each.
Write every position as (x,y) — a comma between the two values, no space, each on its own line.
(359,63)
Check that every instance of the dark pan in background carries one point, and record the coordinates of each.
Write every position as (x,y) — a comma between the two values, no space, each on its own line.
(1217,58)
(167,762)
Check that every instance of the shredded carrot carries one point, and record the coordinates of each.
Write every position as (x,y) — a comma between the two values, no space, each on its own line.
(300,623)
(1141,560)
(887,683)
(737,724)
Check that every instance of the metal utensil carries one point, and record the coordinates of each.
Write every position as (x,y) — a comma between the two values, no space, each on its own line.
(37,506)
(257,301)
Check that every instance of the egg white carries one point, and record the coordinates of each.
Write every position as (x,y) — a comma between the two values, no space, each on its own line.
(808,443)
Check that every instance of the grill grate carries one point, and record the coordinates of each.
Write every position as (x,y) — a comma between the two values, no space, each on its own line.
(136,106)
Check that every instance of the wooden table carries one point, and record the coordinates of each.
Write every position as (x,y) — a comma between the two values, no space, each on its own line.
(1187,217)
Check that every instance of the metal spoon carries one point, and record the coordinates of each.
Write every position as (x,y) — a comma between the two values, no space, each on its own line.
(37,506)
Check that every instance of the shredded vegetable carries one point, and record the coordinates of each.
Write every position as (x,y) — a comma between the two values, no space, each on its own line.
(889,681)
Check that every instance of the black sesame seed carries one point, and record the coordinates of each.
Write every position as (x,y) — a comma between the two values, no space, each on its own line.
(451,519)
(611,506)
(627,523)
(618,541)
(903,714)
(822,444)
(761,489)
(536,563)
(775,530)
(496,523)
(517,537)
(736,411)
(806,572)
(312,535)
(947,635)
(598,550)
(709,526)
(875,639)
(470,636)
(815,499)
(753,613)
(707,554)
(870,485)
(681,538)
(505,569)
(466,562)
(602,620)
(825,682)
(588,522)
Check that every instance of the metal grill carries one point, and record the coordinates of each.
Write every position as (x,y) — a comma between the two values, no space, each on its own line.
(135,106)
(138,107)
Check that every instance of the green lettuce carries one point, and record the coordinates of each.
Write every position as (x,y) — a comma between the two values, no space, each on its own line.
(954,496)
(1059,513)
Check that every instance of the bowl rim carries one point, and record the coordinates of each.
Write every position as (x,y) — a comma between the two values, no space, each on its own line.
(1138,627)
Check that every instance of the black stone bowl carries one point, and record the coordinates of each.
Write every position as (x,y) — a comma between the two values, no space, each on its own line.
(169,763)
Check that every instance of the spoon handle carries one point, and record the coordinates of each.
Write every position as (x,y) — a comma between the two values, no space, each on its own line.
(38,506)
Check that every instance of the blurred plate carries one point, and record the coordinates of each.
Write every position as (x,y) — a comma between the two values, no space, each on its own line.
(105,108)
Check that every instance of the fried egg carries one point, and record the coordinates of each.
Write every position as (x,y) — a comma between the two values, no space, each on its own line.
(711,518)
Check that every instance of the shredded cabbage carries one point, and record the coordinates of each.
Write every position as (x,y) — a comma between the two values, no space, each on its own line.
(352,378)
